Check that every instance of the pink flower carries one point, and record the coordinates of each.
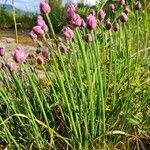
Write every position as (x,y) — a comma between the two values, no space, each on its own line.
(40,21)
(12,67)
(122,2)
(38,30)
(2,51)
(63,48)
(19,55)
(108,24)
(88,38)
(72,6)
(44,7)
(33,35)
(45,53)
(112,7)
(91,22)
(40,60)
(42,24)
(101,15)
(138,5)
(123,17)
(70,14)
(68,33)
(116,27)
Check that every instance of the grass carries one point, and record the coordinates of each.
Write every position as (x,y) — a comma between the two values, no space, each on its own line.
(96,96)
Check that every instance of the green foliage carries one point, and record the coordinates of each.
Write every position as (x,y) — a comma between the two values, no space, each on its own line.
(24,21)
(57,15)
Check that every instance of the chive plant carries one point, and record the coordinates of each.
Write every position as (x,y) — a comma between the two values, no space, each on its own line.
(88,96)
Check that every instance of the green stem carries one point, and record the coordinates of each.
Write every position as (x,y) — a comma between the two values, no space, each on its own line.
(51,26)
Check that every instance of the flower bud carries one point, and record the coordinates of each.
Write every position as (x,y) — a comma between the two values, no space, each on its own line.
(70,14)
(63,48)
(72,6)
(116,27)
(40,60)
(40,21)
(45,53)
(122,2)
(38,30)
(12,67)
(33,35)
(2,51)
(112,7)
(101,15)
(123,17)
(88,38)
(68,33)
(138,5)
(44,7)
(19,55)
(91,22)
(108,24)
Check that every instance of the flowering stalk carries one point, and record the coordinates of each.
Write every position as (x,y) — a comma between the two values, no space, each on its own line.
(50,25)
(137,55)
(15,23)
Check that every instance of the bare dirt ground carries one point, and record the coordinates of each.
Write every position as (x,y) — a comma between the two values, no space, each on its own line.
(8,41)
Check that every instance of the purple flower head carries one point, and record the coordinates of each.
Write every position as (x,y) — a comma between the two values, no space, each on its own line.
(83,24)
(91,22)
(40,60)
(62,48)
(45,53)
(44,7)
(67,33)
(123,17)
(42,24)
(112,7)
(33,35)
(76,22)
(38,30)
(92,12)
(116,27)
(70,14)
(138,5)
(45,28)
(122,2)
(108,24)
(2,51)
(40,21)
(19,55)
(12,67)
(72,6)
(101,15)
(88,38)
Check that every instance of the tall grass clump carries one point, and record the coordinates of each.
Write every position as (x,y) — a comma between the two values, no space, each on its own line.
(85,89)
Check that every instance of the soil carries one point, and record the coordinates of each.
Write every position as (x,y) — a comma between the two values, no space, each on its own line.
(8,41)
